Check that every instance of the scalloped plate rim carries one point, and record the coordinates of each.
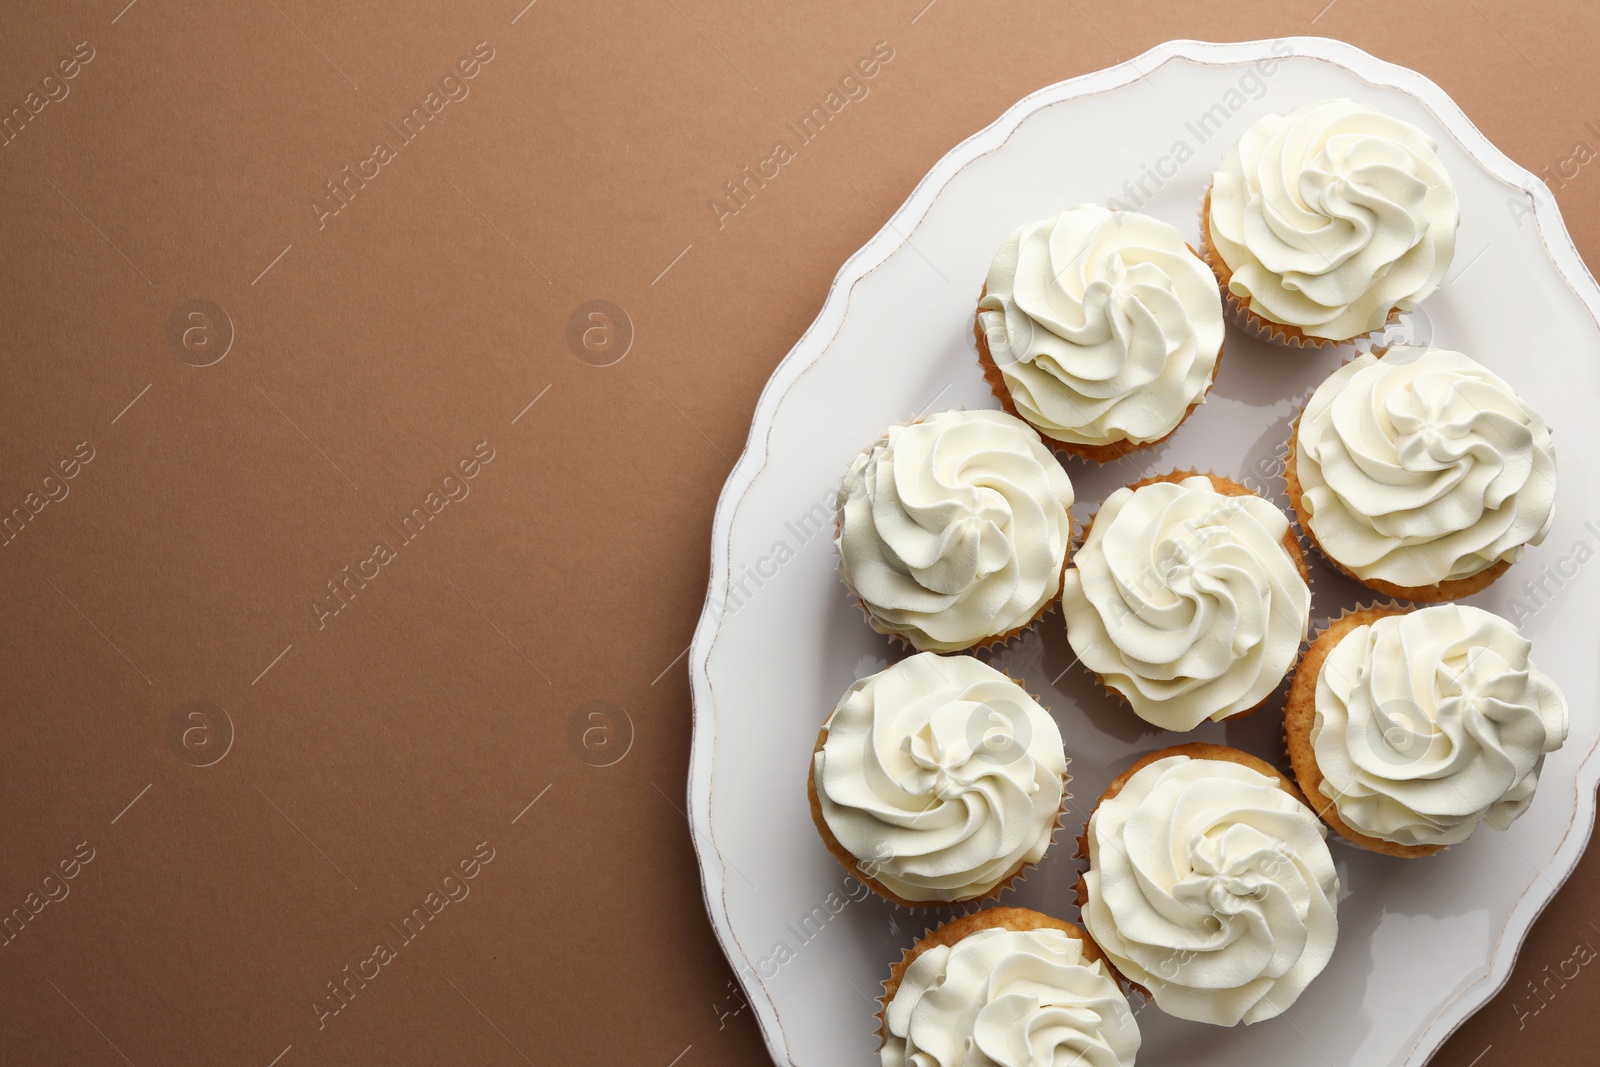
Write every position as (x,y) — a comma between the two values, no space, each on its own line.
(894,234)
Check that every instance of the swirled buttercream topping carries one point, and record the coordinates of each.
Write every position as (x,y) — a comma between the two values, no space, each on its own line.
(1423,466)
(1009,998)
(1104,325)
(1186,601)
(1431,722)
(1212,888)
(954,530)
(1331,216)
(941,776)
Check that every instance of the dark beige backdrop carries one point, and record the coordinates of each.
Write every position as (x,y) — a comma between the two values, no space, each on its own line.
(346,592)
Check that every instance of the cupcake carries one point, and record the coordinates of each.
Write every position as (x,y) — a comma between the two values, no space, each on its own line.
(1102,329)
(1210,884)
(1005,986)
(937,781)
(1323,223)
(1421,474)
(954,531)
(1188,599)
(1408,729)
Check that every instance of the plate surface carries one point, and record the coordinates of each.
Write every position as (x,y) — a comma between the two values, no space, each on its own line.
(1421,944)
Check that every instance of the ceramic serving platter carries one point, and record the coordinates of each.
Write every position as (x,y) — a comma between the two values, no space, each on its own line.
(1422,944)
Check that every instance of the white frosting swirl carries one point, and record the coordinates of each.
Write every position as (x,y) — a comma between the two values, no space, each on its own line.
(1431,722)
(1009,998)
(941,776)
(1213,888)
(1423,466)
(1104,325)
(1186,601)
(954,529)
(1331,216)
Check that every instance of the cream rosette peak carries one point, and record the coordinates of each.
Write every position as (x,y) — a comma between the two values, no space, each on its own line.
(1186,601)
(953,531)
(941,776)
(1331,216)
(1421,467)
(1431,722)
(1211,887)
(1008,998)
(1104,325)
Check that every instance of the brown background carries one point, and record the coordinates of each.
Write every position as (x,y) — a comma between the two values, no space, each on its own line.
(372,754)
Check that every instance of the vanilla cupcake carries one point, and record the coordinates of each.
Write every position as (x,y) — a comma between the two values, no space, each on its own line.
(937,781)
(954,531)
(1102,329)
(1421,474)
(1210,884)
(1409,729)
(1322,223)
(1005,986)
(1188,599)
